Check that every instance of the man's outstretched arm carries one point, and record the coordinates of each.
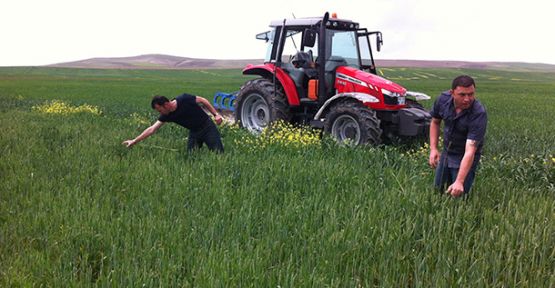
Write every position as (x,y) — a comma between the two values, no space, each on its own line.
(146,133)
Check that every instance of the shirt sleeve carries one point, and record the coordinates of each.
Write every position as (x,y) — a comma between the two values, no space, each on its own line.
(188,98)
(163,118)
(435,112)
(477,127)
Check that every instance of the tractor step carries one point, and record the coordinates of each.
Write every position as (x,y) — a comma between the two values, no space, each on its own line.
(308,102)
(318,124)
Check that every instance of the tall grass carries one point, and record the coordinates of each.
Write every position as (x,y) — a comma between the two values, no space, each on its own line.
(79,209)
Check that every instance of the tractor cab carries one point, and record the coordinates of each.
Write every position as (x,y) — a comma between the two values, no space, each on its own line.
(293,45)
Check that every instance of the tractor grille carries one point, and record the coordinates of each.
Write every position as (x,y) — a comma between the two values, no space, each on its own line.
(391,100)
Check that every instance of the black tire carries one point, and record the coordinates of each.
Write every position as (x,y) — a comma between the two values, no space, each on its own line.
(351,120)
(419,139)
(257,107)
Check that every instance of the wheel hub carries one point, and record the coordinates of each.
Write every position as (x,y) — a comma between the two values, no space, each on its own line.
(255,113)
(345,128)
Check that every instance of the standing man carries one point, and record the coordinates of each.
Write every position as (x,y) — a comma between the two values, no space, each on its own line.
(184,110)
(465,128)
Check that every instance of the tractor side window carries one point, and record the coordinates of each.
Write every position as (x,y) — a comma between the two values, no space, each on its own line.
(292,45)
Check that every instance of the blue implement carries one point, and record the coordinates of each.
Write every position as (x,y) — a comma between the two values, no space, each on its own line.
(224,101)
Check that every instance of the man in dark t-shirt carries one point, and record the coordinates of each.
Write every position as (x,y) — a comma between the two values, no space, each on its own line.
(185,111)
(464,132)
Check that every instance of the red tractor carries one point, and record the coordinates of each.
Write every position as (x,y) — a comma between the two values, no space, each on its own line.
(321,71)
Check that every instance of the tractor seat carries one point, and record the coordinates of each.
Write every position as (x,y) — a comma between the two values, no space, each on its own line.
(303,60)
(305,63)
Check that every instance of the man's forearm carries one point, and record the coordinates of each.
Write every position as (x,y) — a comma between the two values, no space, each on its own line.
(207,105)
(466,164)
(434,134)
(145,134)
(467,160)
(212,110)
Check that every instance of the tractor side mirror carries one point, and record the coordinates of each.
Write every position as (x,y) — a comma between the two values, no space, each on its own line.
(379,41)
(263,36)
(309,38)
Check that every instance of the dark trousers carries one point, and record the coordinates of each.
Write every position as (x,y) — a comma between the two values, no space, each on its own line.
(208,135)
(445,176)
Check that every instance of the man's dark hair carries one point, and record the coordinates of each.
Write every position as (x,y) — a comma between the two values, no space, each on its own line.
(158,100)
(463,81)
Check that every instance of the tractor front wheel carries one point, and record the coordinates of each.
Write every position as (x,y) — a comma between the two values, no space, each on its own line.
(257,106)
(350,122)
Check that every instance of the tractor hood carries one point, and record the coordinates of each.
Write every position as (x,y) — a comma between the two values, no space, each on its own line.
(373,81)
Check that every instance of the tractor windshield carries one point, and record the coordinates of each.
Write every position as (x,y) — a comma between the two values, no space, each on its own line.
(344,45)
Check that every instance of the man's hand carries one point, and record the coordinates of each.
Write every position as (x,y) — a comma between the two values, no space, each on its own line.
(128,143)
(434,158)
(218,118)
(456,189)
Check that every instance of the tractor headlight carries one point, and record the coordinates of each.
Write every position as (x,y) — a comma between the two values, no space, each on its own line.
(389,93)
(392,98)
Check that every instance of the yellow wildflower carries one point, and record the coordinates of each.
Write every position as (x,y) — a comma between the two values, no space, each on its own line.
(60,107)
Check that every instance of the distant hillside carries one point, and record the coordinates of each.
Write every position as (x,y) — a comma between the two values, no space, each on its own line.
(519,66)
(158,61)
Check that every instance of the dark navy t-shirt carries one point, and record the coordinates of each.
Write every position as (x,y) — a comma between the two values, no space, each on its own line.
(468,124)
(188,113)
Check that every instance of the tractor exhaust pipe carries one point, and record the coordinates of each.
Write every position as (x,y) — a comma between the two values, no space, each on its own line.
(322,97)
(278,61)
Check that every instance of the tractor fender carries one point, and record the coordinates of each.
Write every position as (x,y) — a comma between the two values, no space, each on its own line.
(267,71)
(362,97)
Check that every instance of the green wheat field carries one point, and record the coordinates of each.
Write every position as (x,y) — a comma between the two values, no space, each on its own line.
(78,209)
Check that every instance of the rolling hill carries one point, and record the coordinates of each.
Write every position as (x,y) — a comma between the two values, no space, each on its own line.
(159,61)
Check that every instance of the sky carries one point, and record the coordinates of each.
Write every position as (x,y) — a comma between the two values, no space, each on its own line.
(38,32)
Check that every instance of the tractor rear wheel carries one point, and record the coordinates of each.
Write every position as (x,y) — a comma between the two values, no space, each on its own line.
(257,106)
(352,123)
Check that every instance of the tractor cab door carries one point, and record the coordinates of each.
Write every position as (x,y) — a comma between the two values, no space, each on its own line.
(297,57)
(365,49)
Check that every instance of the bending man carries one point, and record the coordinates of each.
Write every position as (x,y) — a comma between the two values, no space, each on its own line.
(185,111)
